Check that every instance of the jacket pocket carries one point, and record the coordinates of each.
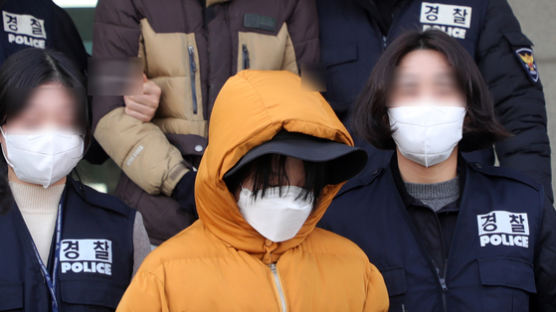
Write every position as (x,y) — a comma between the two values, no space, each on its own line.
(333,55)
(245,56)
(193,77)
(396,285)
(507,284)
(11,297)
(340,61)
(266,51)
(172,62)
(90,295)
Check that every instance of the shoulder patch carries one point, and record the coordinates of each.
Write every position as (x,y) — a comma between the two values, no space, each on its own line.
(261,22)
(527,59)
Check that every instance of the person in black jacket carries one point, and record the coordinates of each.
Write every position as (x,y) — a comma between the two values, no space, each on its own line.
(39,24)
(44,25)
(354,33)
(447,234)
(65,246)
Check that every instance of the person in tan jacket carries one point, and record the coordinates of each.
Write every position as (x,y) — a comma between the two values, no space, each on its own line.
(277,156)
(189,48)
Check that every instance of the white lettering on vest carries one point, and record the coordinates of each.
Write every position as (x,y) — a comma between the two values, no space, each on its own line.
(503,228)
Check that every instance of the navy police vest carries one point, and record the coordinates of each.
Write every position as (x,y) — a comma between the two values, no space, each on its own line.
(96,260)
(490,262)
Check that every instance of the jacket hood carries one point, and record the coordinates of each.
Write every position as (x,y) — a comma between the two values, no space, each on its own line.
(251,108)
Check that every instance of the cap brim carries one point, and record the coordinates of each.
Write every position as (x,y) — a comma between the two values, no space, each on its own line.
(342,161)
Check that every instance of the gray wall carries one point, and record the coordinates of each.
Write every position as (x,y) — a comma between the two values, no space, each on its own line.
(538,23)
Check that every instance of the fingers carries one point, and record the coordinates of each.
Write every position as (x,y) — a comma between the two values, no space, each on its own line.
(143,106)
(138,110)
(145,100)
(137,115)
(139,106)
(151,88)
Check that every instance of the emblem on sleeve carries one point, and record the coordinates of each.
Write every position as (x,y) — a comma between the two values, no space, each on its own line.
(503,228)
(86,256)
(527,60)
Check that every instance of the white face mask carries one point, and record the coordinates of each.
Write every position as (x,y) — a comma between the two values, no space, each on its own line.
(44,156)
(427,133)
(276,217)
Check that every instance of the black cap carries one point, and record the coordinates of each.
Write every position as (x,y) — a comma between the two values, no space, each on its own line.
(342,161)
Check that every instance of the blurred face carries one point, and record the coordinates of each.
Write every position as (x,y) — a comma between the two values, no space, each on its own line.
(425,76)
(43,144)
(426,109)
(50,106)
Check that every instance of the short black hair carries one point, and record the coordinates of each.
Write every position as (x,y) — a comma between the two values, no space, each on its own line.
(370,116)
(270,171)
(30,68)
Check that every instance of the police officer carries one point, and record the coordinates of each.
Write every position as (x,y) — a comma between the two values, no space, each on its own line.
(42,24)
(64,246)
(354,33)
(447,234)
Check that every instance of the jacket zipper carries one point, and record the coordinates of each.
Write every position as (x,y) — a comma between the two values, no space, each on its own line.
(435,268)
(278,284)
(443,285)
(193,71)
(442,278)
(245,52)
(395,18)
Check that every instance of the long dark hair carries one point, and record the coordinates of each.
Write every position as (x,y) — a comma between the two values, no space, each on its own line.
(370,116)
(23,72)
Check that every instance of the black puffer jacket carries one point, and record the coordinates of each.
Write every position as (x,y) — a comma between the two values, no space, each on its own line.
(354,33)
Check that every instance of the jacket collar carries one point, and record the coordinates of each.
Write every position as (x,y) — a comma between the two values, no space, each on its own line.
(400,185)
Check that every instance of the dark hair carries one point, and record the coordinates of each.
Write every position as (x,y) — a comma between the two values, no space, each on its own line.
(26,70)
(30,68)
(370,116)
(270,171)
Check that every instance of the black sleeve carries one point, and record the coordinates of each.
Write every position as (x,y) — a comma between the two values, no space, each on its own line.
(517,92)
(184,193)
(545,263)
(68,40)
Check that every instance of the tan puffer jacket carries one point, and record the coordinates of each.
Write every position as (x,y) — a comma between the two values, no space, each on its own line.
(189,51)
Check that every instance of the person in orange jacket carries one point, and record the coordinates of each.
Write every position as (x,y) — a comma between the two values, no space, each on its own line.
(276,157)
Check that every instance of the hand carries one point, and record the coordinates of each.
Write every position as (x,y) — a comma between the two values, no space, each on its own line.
(143,106)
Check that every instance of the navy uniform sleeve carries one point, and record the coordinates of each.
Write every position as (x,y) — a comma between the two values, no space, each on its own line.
(68,40)
(505,57)
(545,258)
